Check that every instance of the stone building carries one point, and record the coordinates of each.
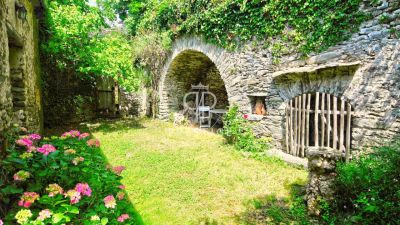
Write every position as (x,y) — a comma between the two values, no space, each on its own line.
(346,97)
(20,97)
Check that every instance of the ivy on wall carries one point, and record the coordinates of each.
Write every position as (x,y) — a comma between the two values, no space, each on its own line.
(306,25)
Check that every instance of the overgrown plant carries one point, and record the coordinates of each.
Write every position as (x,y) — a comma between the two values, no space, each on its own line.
(368,188)
(76,39)
(61,180)
(238,132)
(311,25)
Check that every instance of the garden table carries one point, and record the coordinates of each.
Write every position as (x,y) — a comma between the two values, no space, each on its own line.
(219,113)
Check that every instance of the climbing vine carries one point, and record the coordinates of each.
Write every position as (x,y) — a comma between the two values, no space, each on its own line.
(304,25)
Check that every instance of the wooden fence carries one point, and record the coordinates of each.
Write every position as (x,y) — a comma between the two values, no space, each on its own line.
(318,119)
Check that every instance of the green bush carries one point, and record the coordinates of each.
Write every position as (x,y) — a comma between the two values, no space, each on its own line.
(368,188)
(61,180)
(237,131)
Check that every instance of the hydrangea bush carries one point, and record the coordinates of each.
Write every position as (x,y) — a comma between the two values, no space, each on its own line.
(62,180)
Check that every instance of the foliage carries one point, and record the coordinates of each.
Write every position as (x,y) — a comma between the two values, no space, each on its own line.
(368,188)
(76,39)
(313,25)
(60,180)
(237,131)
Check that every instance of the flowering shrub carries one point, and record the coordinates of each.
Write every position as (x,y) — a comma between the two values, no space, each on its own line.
(62,180)
(237,131)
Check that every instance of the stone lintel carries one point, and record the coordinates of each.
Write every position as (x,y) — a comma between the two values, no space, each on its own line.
(311,69)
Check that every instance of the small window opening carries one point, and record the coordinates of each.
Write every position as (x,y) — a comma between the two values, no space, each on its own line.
(258,105)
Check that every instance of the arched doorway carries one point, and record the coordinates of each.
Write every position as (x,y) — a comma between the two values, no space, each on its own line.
(188,69)
(320,120)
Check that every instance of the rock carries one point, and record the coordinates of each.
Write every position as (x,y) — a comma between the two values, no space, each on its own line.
(318,59)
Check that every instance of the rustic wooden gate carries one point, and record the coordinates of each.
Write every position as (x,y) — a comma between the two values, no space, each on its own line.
(318,119)
(107,96)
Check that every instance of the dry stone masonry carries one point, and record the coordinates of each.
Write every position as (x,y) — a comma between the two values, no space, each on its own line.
(19,66)
(364,71)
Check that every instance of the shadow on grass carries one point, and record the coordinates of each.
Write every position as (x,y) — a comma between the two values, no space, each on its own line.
(107,126)
(271,209)
(100,125)
(104,126)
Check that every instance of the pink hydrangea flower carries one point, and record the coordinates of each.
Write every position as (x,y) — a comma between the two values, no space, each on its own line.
(21,175)
(31,149)
(28,198)
(93,143)
(118,169)
(74,196)
(84,189)
(24,142)
(54,189)
(120,195)
(1,222)
(46,149)
(44,214)
(76,160)
(69,152)
(121,187)
(123,217)
(71,133)
(35,137)
(110,202)
(83,135)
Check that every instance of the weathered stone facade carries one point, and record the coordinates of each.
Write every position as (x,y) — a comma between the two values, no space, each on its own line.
(20,100)
(134,104)
(365,71)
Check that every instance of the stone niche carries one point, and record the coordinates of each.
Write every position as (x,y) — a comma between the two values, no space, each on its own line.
(258,106)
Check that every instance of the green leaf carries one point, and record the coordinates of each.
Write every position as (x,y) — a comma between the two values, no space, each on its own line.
(57,217)
(104,221)
(11,189)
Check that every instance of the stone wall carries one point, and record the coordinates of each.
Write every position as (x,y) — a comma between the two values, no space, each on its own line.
(364,70)
(20,100)
(134,104)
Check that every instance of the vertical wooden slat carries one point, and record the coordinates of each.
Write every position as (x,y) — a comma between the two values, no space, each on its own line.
(323,122)
(334,144)
(328,122)
(287,126)
(295,126)
(291,126)
(341,129)
(348,134)
(316,119)
(303,125)
(308,120)
(298,126)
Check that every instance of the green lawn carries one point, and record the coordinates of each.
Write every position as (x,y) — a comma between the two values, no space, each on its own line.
(184,175)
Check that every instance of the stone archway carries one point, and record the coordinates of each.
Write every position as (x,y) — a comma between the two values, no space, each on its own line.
(191,62)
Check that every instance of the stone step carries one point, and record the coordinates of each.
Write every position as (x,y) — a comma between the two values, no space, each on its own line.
(18,84)
(19,104)
(18,90)
(19,97)
(16,77)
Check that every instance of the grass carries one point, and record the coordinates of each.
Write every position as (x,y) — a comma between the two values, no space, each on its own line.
(183,175)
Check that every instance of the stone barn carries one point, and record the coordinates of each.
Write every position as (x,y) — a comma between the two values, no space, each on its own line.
(345,98)
(20,97)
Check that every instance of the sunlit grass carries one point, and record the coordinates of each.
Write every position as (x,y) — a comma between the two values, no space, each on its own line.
(183,175)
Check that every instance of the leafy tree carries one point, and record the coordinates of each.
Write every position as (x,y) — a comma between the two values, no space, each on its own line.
(78,40)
